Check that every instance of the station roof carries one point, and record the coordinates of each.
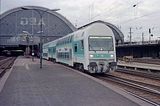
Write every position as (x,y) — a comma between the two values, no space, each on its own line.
(15,21)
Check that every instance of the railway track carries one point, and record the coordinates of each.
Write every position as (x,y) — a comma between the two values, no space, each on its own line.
(2,57)
(144,74)
(6,64)
(143,60)
(149,61)
(146,92)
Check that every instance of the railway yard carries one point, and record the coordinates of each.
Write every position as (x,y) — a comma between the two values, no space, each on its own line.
(141,84)
(106,54)
(144,88)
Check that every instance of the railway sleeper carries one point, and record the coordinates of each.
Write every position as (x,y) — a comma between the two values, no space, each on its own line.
(2,72)
(7,65)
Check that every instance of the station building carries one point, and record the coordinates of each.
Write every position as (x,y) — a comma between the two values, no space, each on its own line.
(21,27)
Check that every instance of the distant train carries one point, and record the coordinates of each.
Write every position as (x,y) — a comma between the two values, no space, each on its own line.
(12,52)
(90,49)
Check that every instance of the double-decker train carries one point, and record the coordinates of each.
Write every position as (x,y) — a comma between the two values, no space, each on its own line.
(91,48)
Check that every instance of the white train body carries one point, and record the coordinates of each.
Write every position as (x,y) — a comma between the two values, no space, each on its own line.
(45,51)
(91,48)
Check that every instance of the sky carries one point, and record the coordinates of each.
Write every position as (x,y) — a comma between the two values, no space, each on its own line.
(139,15)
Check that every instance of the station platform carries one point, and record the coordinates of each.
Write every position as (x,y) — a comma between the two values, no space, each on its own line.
(139,65)
(57,85)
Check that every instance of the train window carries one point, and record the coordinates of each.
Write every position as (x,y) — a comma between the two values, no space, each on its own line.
(82,34)
(71,38)
(45,54)
(70,53)
(67,55)
(54,50)
(82,44)
(75,48)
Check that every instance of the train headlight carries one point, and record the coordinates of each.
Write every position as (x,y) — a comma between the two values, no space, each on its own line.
(91,55)
(112,55)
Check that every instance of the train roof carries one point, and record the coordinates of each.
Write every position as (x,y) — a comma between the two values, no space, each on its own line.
(82,30)
(117,33)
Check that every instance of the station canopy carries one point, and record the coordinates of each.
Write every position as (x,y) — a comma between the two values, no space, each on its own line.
(21,26)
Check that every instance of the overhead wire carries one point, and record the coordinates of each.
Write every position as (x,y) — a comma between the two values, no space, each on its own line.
(117,6)
(139,17)
(110,9)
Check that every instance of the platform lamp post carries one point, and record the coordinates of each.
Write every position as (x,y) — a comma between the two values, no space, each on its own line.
(0,16)
(41,16)
(28,38)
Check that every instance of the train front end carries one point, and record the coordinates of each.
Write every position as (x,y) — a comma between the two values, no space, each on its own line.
(102,56)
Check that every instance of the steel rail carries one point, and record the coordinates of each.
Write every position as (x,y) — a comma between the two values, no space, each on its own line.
(139,73)
(133,85)
(6,65)
(144,99)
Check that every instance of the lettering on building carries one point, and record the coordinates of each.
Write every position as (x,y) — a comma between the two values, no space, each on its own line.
(31,21)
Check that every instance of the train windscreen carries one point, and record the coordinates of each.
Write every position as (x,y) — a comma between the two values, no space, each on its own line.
(100,43)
